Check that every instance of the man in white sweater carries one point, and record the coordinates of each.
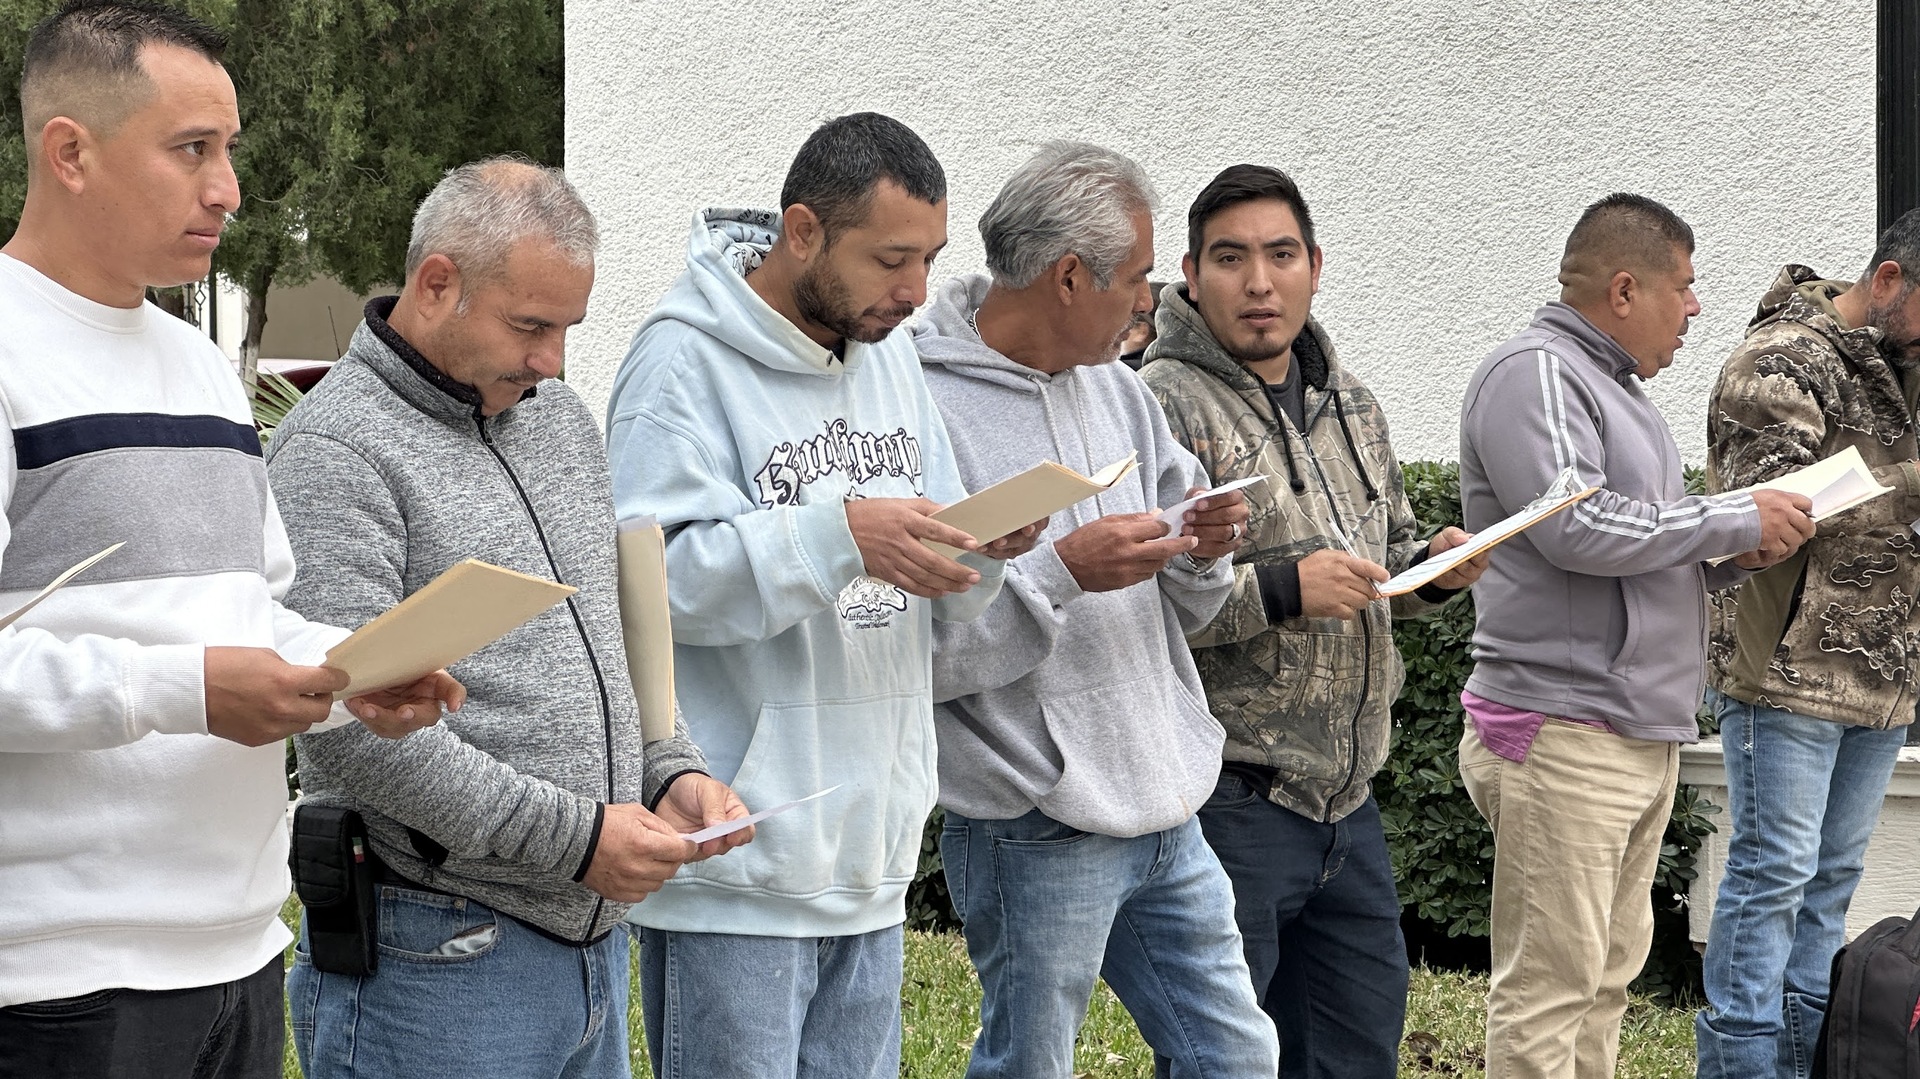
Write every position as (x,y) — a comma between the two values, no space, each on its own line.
(143,850)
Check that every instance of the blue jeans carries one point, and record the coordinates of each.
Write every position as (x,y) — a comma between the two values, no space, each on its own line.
(1317,907)
(726,1006)
(461,990)
(1048,910)
(1806,793)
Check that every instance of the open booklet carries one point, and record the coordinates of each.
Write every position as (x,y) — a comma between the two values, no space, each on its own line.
(1834,485)
(76,570)
(1559,496)
(470,606)
(647,623)
(1018,501)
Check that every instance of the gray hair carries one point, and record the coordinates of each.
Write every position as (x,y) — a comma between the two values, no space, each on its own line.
(1071,198)
(479,211)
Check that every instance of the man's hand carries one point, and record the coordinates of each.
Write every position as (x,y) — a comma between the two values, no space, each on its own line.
(398,711)
(1784,525)
(637,853)
(694,801)
(1219,523)
(889,532)
(1121,550)
(1335,584)
(1463,574)
(1016,543)
(256,698)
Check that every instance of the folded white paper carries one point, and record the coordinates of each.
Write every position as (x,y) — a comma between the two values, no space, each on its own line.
(1173,515)
(715,831)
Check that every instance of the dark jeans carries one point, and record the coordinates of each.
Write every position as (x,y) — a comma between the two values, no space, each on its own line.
(1320,921)
(231,1031)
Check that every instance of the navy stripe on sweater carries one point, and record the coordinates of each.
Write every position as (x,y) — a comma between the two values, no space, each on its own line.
(49,443)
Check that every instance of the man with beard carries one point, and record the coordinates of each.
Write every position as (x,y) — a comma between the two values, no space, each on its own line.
(1299,665)
(777,425)
(1812,678)
(1589,643)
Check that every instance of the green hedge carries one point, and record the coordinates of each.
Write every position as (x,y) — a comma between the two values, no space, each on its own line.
(1442,850)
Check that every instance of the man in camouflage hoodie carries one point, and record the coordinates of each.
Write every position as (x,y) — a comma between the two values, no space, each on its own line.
(1300,665)
(1810,659)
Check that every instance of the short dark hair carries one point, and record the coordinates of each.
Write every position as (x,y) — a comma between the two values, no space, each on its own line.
(839,165)
(99,40)
(1244,183)
(1626,232)
(1900,245)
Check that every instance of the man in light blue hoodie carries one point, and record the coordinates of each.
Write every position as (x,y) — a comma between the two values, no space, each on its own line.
(773,420)
(1075,741)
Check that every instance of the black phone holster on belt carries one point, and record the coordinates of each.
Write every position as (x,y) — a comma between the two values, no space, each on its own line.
(333,871)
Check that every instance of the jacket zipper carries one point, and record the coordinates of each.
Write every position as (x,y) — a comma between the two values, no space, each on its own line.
(579,624)
(1366,620)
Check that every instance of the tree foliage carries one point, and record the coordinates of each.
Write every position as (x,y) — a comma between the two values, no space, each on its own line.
(352,110)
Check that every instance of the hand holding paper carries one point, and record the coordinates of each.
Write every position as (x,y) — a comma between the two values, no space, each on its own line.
(718,830)
(904,542)
(697,804)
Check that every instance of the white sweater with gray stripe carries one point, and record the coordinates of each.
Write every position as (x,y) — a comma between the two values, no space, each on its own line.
(136,850)
(1598,612)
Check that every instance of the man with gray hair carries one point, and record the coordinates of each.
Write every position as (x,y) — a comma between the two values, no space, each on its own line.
(1075,744)
(508,846)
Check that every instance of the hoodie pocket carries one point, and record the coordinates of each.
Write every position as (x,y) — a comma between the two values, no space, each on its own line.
(863,836)
(1135,757)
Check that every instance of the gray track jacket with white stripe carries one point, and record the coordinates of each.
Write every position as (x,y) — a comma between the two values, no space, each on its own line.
(1598,612)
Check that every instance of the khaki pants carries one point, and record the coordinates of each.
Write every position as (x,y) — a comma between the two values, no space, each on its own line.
(1576,838)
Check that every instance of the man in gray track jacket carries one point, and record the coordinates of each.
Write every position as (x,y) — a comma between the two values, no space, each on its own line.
(1590,645)
(510,843)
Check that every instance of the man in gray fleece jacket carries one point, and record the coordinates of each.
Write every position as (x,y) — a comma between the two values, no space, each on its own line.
(1590,645)
(1075,744)
(510,843)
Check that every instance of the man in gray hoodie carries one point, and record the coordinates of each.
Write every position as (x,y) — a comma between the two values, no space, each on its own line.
(1075,744)
(510,843)
(1590,645)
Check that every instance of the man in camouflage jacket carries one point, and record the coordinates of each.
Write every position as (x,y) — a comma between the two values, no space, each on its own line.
(1811,669)
(1299,665)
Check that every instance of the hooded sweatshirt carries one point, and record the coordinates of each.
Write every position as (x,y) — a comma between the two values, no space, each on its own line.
(1308,698)
(746,439)
(1084,705)
(1825,633)
(1598,612)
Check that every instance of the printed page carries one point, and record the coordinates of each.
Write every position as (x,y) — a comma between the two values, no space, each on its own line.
(647,623)
(470,606)
(1040,491)
(1417,577)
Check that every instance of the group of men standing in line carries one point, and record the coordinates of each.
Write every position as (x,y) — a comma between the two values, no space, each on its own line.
(1154,745)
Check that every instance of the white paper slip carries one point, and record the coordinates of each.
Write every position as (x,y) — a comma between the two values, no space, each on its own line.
(85,565)
(1172,514)
(715,831)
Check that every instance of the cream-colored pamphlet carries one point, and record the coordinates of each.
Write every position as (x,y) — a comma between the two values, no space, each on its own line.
(470,606)
(1016,502)
(84,565)
(1834,485)
(647,623)
(1425,573)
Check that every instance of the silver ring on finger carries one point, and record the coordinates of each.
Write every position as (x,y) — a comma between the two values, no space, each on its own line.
(1236,532)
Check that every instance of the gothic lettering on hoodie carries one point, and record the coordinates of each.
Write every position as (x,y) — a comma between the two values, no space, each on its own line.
(860,456)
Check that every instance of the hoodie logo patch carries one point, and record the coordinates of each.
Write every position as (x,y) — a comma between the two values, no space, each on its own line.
(868,603)
(860,455)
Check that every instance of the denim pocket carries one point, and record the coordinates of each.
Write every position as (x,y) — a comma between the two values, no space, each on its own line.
(416,925)
(67,1006)
(1232,791)
(1036,829)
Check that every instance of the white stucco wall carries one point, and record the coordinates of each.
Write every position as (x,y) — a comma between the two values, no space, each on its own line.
(1445,149)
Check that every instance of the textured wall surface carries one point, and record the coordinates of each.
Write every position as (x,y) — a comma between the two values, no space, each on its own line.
(1445,149)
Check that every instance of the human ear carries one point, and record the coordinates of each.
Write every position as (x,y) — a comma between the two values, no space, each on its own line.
(65,145)
(802,231)
(436,286)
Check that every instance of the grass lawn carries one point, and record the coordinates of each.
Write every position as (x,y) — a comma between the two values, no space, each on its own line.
(1446,1021)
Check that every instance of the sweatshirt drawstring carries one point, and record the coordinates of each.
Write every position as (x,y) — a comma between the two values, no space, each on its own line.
(1340,412)
(1294,481)
(1086,444)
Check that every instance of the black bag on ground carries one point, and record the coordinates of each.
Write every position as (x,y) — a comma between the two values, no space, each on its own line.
(333,876)
(1873,1006)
